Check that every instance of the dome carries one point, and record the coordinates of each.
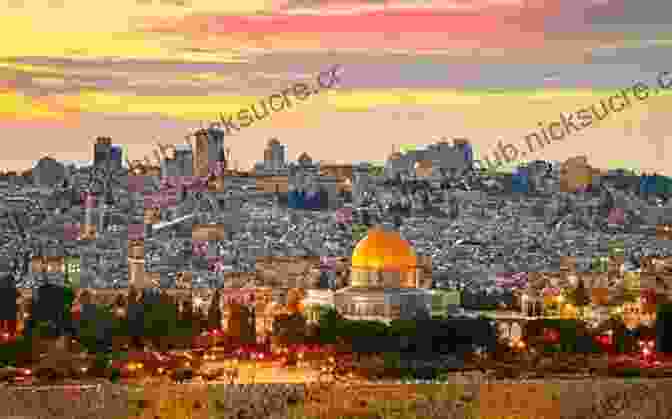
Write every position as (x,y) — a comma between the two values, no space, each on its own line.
(383,250)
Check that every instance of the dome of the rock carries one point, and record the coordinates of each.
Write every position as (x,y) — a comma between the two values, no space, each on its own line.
(383,250)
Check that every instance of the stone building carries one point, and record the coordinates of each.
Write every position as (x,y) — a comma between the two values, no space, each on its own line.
(453,158)
(49,172)
(208,150)
(307,177)
(274,163)
(576,174)
(274,155)
(361,183)
(102,151)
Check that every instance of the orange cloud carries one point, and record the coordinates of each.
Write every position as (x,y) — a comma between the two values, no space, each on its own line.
(16,106)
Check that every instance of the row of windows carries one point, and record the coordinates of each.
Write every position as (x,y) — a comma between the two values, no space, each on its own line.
(365,309)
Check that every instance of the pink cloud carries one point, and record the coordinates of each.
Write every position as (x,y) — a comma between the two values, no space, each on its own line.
(494,24)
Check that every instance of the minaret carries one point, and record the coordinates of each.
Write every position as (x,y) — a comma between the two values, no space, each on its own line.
(136,264)
(200,155)
(360,183)
(90,225)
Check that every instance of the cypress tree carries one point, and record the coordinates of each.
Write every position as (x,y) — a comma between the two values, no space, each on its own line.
(214,312)
(664,328)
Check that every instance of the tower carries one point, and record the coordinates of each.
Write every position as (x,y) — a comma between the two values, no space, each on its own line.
(136,264)
(360,183)
(90,225)
(184,157)
(102,151)
(215,144)
(201,153)
(208,150)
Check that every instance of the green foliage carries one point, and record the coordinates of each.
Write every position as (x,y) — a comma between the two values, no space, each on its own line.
(628,372)
(552,348)
(68,298)
(99,329)
(9,352)
(115,375)
(329,324)
(358,232)
(160,320)
(665,308)
(403,328)
(376,170)
(392,360)
(362,328)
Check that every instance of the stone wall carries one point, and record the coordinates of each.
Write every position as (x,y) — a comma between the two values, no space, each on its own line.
(610,398)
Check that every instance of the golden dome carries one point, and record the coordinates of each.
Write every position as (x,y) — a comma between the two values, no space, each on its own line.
(383,250)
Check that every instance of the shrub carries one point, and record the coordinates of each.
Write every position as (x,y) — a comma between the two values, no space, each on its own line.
(628,372)
(115,375)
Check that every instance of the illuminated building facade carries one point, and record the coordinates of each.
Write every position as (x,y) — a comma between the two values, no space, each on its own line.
(384,280)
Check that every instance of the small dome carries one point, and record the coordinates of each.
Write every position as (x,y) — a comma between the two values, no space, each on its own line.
(383,250)
(304,158)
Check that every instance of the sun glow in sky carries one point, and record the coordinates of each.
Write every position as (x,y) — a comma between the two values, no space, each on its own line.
(415,71)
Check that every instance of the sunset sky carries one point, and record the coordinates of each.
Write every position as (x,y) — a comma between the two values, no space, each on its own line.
(412,72)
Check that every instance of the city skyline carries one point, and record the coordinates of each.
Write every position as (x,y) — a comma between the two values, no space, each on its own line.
(485,70)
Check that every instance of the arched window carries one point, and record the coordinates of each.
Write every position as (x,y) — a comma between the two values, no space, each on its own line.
(504,330)
(515,331)
(379,309)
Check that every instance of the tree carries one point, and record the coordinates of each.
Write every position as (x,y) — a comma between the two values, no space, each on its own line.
(159,319)
(8,304)
(135,316)
(664,328)
(359,232)
(97,328)
(328,322)
(215,312)
(580,297)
